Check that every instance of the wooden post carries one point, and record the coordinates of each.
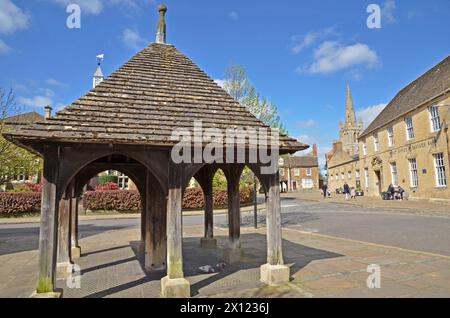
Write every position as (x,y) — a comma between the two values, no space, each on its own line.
(76,249)
(174,284)
(155,236)
(64,236)
(233,252)
(141,248)
(48,235)
(206,181)
(274,272)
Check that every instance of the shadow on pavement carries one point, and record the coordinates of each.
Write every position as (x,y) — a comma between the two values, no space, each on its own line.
(254,246)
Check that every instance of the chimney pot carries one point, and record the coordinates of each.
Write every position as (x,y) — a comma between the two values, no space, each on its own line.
(48,112)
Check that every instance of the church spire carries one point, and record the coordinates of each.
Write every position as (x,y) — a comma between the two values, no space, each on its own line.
(350,116)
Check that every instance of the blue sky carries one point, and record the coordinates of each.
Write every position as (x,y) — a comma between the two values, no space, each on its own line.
(299,54)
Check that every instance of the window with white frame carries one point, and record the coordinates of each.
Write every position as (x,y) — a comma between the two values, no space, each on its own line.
(357,174)
(375,142)
(409,128)
(297,172)
(414,176)
(307,183)
(390,132)
(349,175)
(366,177)
(342,176)
(308,172)
(394,176)
(331,178)
(364,148)
(435,120)
(441,179)
(123,181)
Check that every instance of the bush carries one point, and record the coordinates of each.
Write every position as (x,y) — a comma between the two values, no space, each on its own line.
(33,187)
(112,200)
(130,200)
(103,180)
(22,202)
(109,186)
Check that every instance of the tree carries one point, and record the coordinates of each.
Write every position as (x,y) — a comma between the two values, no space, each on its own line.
(238,86)
(13,160)
(236,82)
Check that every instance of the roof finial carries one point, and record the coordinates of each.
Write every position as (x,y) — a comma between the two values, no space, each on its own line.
(161,33)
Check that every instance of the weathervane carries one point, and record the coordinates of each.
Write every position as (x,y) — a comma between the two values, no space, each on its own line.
(100,58)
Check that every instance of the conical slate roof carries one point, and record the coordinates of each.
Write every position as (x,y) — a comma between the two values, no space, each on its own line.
(157,91)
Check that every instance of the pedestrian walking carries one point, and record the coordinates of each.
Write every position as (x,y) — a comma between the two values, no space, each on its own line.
(325,190)
(346,191)
(353,193)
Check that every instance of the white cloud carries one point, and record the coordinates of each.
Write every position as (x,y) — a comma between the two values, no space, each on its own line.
(132,39)
(36,101)
(368,114)
(220,82)
(96,6)
(306,123)
(54,82)
(298,44)
(4,48)
(306,139)
(12,18)
(331,56)
(234,15)
(387,11)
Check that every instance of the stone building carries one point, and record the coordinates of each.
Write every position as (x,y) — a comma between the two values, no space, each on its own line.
(342,160)
(351,129)
(408,143)
(343,168)
(300,173)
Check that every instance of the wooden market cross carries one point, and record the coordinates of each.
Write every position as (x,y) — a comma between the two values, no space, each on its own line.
(125,124)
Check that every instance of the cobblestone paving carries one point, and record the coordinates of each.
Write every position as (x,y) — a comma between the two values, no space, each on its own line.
(321,266)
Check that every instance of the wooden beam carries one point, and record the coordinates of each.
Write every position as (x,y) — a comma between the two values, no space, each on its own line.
(273,221)
(48,235)
(64,235)
(174,219)
(155,236)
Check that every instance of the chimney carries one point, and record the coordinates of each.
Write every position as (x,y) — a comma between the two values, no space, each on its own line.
(315,150)
(161,33)
(337,146)
(48,112)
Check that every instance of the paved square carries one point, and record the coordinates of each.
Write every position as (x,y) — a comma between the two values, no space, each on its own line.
(321,266)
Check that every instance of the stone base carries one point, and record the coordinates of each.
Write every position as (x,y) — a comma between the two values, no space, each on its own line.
(76,252)
(208,242)
(175,288)
(64,270)
(155,267)
(273,275)
(232,255)
(46,295)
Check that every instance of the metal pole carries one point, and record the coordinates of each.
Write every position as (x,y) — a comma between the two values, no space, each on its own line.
(255,202)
